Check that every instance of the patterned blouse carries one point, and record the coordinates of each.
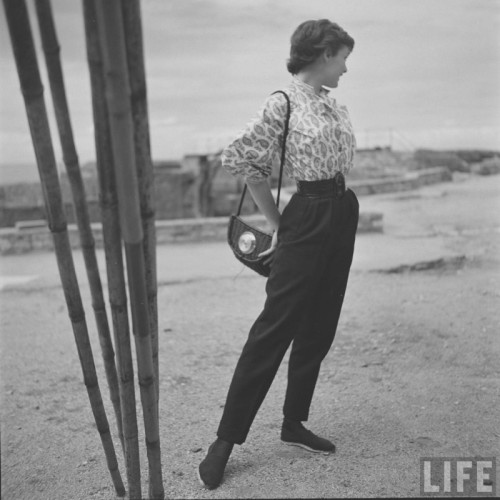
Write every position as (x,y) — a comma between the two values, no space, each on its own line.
(320,140)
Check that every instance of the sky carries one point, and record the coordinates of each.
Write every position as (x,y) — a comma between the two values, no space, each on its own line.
(423,73)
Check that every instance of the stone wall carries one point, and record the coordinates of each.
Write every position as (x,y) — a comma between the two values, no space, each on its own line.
(200,187)
(174,195)
(459,160)
(406,182)
(380,163)
(20,202)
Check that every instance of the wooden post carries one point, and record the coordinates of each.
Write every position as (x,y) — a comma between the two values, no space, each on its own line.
(145,173)
(32,89)
(54,69)
(113,251)
(110,26)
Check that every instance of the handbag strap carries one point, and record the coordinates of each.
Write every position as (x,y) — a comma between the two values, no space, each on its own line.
(283,151)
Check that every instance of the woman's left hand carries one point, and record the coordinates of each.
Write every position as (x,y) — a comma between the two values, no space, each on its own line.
(270,251)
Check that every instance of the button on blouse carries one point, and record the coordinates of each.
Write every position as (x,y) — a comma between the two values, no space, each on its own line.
(320,140)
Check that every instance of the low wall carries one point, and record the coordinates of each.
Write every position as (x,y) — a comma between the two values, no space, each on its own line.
(411,180)
(173,193)
(18,241)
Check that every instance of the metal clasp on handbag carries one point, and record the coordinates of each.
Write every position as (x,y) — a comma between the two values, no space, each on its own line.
(247,242)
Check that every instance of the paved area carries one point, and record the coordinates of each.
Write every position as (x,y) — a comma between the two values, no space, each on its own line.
(413,371)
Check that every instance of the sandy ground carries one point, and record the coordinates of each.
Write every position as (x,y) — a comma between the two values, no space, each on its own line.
(413,373)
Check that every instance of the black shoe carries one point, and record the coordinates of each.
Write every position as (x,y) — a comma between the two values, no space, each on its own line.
(295,434)
(211,469)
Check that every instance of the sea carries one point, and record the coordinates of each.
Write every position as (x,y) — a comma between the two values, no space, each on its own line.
(18,173)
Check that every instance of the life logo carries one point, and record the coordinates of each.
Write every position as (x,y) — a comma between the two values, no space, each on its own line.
(458,476)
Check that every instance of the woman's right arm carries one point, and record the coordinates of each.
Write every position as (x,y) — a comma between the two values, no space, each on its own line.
(252,155)
(261,193)
(254,151)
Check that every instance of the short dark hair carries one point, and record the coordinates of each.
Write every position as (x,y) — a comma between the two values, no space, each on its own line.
(312,38)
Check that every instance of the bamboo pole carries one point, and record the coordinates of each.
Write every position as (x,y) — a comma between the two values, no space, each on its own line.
(110,25)
(145,173)
(113,251)
(54,69)
(32,89)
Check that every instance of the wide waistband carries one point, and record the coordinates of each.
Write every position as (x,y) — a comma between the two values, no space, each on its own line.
(325,188)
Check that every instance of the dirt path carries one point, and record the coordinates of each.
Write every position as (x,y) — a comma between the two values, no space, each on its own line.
(414,372)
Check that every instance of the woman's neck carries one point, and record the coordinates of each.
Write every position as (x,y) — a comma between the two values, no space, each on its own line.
(311,79)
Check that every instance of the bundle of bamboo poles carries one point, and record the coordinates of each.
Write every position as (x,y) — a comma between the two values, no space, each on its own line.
(113,250)
(112,37)
(137,77)
(32,89)
(115,57)
(54,70)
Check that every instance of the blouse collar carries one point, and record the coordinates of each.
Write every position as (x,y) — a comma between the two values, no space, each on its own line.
(308,89)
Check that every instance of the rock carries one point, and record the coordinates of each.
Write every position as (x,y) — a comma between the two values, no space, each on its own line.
(431,158)
(490,166)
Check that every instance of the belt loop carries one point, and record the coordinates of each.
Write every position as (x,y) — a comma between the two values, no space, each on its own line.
(339,184)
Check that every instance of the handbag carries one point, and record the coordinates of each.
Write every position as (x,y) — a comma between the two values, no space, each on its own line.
(247,241)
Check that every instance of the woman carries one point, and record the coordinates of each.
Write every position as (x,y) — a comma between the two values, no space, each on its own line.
(312,244)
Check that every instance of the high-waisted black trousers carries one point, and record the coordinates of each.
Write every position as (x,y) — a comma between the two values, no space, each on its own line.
(305,292)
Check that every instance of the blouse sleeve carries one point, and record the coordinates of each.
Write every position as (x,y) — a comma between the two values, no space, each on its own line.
(254,151)
(348,139)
